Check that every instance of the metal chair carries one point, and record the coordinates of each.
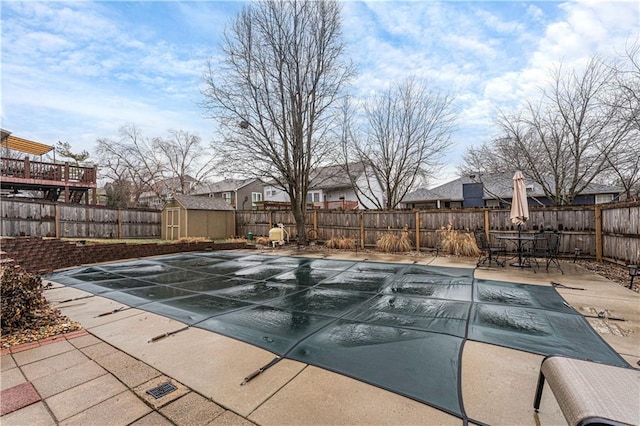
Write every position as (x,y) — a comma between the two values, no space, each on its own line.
(545,246)
(488,252)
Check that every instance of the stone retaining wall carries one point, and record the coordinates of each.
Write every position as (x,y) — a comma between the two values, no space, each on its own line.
(37,255)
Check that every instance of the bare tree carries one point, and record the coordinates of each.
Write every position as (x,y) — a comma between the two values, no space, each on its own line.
(562,142)
(624,159)
(182,156)
(130,158)
(273,93)
(149,164)
(406,131)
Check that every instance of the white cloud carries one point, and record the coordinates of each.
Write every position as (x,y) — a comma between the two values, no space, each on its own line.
(77,71)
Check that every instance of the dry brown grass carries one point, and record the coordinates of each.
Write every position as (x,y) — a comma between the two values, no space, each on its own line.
(391,243)
(193,240)
(262,241)
(342,243)
(458,243)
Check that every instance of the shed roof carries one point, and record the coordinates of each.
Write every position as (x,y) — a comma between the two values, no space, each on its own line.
(191,202)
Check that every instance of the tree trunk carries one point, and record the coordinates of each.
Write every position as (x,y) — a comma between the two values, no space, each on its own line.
(299,210)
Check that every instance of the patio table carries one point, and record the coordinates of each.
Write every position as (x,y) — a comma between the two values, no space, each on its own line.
(518,240)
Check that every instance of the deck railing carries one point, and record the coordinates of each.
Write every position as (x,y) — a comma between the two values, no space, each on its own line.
(52,172)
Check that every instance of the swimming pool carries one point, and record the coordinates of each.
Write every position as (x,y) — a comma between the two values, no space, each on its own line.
(397,326)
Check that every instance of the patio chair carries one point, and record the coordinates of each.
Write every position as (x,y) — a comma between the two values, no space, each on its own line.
(589,393)
(545,246)
(488,252)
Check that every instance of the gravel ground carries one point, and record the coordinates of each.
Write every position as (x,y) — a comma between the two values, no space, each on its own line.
(612,271)
(52,323)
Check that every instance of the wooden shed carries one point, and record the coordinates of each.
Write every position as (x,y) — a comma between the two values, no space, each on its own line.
(190,216)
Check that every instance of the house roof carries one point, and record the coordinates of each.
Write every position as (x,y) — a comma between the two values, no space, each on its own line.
(496,186)
(191,202)
(335,176)
(330,177)
(226,185)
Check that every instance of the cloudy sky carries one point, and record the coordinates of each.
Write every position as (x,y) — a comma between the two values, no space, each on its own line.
(77,71)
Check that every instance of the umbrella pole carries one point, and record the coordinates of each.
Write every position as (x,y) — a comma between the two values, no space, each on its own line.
(519,245)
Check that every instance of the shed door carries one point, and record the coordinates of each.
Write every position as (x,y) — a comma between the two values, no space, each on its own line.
(173,223)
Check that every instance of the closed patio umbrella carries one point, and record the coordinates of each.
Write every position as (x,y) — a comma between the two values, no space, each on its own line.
(519,207)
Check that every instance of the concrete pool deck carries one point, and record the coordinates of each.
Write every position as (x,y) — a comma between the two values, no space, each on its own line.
(101,377)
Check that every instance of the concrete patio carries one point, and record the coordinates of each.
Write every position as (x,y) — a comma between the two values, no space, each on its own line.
(101,377)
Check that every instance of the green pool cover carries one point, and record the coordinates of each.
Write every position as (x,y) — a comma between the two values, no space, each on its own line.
(399,327)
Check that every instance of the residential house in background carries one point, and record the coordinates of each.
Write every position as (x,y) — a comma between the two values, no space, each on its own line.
(330,188)
(496,190)
(165,190)
(241,194)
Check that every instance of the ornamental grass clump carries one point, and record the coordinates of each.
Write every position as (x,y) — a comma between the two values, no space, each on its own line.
(263,241)
(458,243)
(392,243)
(342,243)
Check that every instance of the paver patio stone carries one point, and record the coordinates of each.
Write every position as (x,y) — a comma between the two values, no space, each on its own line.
(84,341)
(192,409)
(229,418)
(42,352)
(120,409)
(7,362)
(53,364)
(128,369)
(17,397)
(156,403)
(98,350)
(152,419)
(11,378)
(75,400)
(32,415)
(66,379)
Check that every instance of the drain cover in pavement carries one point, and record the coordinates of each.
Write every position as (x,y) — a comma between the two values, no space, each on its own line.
(162,390)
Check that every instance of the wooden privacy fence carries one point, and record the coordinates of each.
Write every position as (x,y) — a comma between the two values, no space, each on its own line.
(42,219)
(603,232)
(610,231)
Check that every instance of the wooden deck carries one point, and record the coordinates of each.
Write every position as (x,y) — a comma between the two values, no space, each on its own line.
(54,180)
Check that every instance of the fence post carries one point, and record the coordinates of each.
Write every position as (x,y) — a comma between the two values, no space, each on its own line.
(487,224)
(56,219)
(417,231)
(315,223)
(119,224)
(270,219)
(598,218)
(362,229)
